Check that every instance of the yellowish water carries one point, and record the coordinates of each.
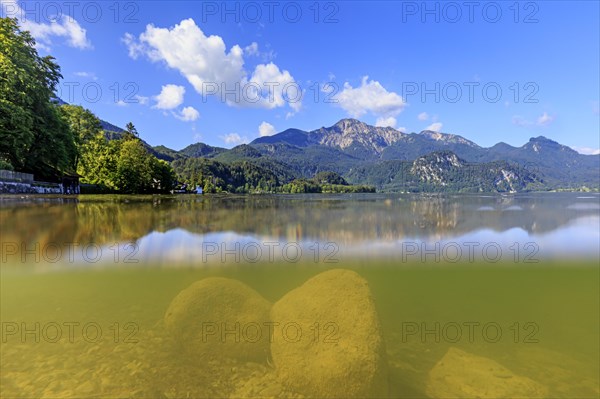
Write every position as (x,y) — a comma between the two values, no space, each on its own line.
(112,342)
(79,329)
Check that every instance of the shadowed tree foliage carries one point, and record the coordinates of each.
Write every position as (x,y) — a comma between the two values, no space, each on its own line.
(85,127)
(327,177)
(48,140)
(34,137)
(214,176)
(130,131)
(122,165)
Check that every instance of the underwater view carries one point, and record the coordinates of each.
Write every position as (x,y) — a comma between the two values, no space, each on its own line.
(299,296)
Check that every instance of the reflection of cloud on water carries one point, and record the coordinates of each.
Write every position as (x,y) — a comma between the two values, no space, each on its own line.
(179,245)
(513,208)
(180,248)
(579,239)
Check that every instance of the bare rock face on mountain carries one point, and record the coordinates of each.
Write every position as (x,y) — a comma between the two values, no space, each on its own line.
(352,132)
(431,168)
(220,318)
(462,375)
(328,342)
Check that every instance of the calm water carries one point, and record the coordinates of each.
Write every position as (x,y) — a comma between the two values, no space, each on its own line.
(86,282)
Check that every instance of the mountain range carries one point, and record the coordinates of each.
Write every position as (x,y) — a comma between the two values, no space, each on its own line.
(395,161)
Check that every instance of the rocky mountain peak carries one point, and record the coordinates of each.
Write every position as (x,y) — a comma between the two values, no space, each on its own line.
(541,143)
(541,139)
(349,123)
(352,133)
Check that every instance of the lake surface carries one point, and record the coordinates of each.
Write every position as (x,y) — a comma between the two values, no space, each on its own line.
(85,284)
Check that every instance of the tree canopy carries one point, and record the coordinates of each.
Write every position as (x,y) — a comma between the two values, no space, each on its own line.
(41,137)
(33,135)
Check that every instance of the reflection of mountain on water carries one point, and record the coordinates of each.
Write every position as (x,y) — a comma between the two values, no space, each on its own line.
(344,219)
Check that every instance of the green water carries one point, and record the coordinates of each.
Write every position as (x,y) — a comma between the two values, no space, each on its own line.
(539,320)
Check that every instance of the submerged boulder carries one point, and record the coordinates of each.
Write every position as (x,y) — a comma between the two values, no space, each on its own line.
(219,317)
(327,342)
(462,375)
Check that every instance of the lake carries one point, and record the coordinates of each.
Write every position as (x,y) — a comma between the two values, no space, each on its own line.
(506,281)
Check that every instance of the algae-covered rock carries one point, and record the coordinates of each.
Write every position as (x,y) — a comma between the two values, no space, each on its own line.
(219,317)
(462,375)
(328,341)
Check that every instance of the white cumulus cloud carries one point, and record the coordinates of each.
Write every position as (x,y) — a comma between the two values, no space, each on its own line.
(544,119)
(88,75)
(188,114)
(171,96)
(234,139)
(266,129)
(386,122)
(587,150)
(61,25)
(252,49)
(134,48)
(369,97)
(141,99)
(277,88)
(423,116)
(213,69)
(435,127)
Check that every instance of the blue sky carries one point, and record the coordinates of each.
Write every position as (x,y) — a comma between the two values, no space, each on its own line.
(225,73)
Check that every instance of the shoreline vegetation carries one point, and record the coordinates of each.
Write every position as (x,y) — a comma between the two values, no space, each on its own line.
(43,136)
